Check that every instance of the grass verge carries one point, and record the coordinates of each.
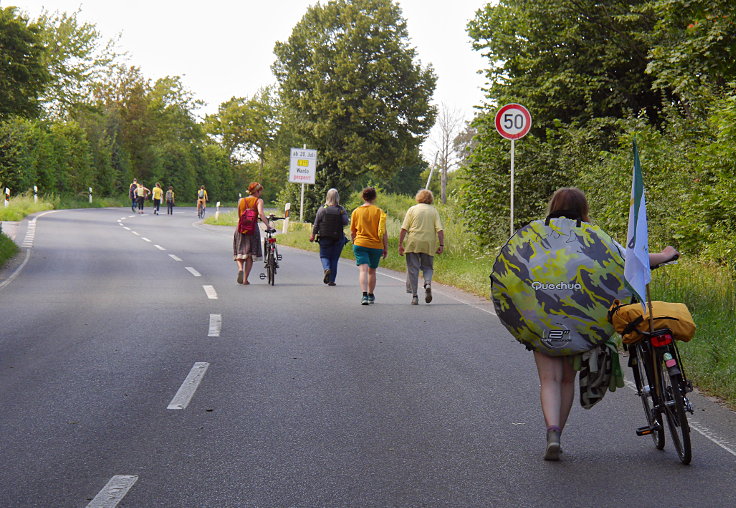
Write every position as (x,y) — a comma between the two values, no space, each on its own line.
(8,249)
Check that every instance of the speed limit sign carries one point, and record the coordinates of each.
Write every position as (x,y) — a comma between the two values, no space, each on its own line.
(513,121)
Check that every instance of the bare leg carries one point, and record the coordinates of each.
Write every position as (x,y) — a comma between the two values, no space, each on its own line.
(248,266)
(557,390)
(371,280)
(363,278)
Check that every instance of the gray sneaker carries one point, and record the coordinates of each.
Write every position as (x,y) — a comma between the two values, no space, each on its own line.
(415,300)
(553,445)
(371,298)
(364,301)
(427,293)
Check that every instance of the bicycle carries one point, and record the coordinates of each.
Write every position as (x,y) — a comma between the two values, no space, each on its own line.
(271,253)
(201,209)
(662,385)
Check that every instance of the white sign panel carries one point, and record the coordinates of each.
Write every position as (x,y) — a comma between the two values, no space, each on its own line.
(513,121)
(303,166)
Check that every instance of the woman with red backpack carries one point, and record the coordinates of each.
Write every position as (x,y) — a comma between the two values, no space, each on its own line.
(247,237)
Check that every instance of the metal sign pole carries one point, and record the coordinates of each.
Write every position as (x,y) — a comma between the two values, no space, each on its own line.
(512,187)
(301,206)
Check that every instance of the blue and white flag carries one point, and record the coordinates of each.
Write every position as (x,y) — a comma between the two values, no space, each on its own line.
(636,268)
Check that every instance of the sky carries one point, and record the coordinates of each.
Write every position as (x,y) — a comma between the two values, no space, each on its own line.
(224,48)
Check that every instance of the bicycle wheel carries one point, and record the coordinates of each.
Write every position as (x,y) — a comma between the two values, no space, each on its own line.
(271,267)
(674,410)
(646,393)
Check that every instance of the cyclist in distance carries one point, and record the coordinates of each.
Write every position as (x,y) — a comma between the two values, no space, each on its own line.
(201,201)
(246,247)
(556,373)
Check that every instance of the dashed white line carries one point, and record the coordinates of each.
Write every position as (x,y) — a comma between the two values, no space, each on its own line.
(136,233)
(114,492)
(215,325)
(158,247)
(126,227)
(186,391)
(193,271)
(145,239)
(175,258)
(211,293)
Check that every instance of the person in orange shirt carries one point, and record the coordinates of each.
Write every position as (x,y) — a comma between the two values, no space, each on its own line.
(369,242)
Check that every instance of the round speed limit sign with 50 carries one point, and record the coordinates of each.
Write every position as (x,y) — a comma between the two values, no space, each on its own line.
(513,121)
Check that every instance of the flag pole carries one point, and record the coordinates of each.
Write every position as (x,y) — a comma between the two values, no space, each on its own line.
(651,310)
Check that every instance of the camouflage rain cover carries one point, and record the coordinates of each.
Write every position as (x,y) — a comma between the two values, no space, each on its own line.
(552,285)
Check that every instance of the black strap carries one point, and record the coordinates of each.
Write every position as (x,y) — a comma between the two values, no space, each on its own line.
(568,214)
(632,326)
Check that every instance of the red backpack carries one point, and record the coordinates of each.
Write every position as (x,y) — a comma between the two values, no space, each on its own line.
(248,222)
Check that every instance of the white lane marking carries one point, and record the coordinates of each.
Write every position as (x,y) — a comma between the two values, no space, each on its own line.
(186,391)
(30,234)
(434,291)
(175,258)
(126,227)
(193,271)
(158,247)
(698,427)
(211,293)
(114,492)
(145,239)
(136,233)
(215,325)
(131,216)
(17,270)
(120,220)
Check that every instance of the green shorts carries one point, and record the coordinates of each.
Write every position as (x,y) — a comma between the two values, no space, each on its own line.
(366,256)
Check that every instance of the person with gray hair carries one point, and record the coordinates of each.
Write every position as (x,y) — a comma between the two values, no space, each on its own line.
(328,229)
(421,229)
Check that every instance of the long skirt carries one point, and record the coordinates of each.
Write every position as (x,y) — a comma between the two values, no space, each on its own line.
(247,245)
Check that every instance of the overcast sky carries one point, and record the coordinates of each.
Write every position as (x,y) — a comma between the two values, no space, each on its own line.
(224,48)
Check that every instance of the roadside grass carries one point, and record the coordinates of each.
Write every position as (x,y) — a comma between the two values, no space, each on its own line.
(22,205)
(708,291)
(8,249)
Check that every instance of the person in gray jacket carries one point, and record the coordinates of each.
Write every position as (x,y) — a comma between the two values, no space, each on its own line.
(328,230)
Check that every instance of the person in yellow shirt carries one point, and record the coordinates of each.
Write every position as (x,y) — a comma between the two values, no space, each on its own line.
(369,242)
(421,229)
(158,193)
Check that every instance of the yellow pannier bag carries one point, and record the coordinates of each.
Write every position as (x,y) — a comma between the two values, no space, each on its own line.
(630,320)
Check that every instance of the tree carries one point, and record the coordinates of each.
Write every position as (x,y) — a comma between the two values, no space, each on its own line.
(570,60)
(22,73)
(448,126)
(356,94)
(75,57)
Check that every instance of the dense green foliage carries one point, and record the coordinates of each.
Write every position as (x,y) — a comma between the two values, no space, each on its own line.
(594,76)
(8,249)
(355,93)
(22,73)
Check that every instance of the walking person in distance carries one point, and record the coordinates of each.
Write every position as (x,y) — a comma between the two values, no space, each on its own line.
(247,245)
(421,229)
(370,243)
(328,229)
(158,193)
(170,201)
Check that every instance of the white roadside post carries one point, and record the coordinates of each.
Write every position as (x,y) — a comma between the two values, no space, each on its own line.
(90,195)
(285,227)
(513,122)
(7,197)
(217,211)
(303,170)
(35,194)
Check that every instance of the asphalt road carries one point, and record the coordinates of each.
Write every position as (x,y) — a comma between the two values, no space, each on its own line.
(118,386)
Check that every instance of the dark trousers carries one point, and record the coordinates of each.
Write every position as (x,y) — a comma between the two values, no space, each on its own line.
(133,203)
(329,254)
(170,207)
(141,199)
(157,204)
